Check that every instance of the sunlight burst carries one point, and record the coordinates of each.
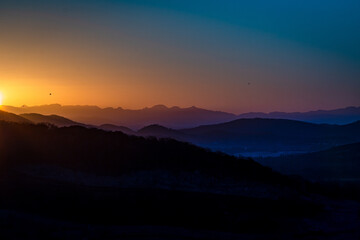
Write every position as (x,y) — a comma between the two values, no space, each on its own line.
(1,99)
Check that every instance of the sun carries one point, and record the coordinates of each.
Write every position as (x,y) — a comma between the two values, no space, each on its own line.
(1,99)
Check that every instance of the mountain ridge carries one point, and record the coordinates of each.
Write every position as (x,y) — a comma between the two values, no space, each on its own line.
(11,117)
(266,135)
(174,117)
(51,119)
(334,116)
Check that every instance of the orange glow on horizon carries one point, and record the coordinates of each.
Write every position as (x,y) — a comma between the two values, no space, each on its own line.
(91,54)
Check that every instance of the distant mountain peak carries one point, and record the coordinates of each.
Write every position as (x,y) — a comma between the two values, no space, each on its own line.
(154,127)
(115,128)
(159,107)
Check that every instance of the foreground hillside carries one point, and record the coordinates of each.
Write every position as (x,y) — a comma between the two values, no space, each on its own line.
(87,183)
(97,151)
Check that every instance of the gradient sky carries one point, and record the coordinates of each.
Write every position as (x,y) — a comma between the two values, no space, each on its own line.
(231,55)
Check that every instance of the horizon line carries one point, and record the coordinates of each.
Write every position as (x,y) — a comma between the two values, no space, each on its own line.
(176,107)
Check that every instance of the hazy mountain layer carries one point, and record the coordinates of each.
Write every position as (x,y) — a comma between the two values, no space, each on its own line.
(174,117)
(336,116)
(10,117)
(244,136)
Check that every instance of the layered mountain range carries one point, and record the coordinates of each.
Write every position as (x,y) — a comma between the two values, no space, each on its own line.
(246,137)
(176,117)
(77,181)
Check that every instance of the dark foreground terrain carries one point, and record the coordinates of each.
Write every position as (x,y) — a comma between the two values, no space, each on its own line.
(79,183)
(339,164)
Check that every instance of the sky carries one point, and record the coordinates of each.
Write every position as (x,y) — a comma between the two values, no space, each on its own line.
(230,55)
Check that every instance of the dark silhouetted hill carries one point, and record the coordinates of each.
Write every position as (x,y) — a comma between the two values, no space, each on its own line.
(115,128)
(339,164)
(162,132)
(114,153)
